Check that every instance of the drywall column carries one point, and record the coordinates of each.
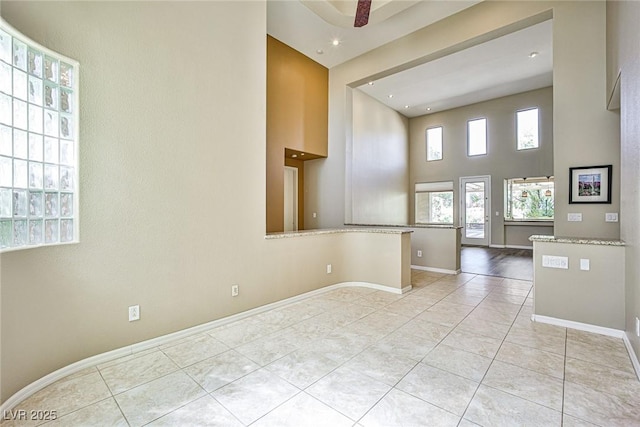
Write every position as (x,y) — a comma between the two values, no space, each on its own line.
(585,286)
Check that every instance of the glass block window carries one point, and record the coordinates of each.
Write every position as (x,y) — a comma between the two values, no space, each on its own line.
(38,144)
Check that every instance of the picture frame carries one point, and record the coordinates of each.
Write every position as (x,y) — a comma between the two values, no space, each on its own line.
(590,184)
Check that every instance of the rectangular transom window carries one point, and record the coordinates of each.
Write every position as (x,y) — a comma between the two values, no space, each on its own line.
(38,144)
(529,199)
(477,137)
(434,143)
(434,202)
(527,129)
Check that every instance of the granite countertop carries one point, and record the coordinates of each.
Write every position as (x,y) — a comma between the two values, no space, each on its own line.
(287,234)
(447,226)
(576,240)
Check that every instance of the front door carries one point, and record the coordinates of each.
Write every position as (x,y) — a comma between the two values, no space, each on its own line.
(475,207)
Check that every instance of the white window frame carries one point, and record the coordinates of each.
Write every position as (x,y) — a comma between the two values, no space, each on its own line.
(537,130)
(429,188)
(434,137)
(44,209)
(470,143)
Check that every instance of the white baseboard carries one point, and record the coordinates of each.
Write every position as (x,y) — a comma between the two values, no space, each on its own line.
(616,333)
(632,355)
(108,356)
(436,270)
(510,247)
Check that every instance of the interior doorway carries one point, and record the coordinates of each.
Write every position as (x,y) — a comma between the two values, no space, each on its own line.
(290,198)
(475,208)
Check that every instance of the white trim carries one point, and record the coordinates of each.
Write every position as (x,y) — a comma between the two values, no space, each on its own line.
(616,333)
(632,355)
(108,356)
(510,247)
(436,270)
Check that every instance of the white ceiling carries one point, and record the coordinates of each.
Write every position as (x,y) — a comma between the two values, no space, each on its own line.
(490,70)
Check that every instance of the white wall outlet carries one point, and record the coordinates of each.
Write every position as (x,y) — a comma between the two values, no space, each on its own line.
(574,217)
(585,264)
(235,290)
(551,261)
(315,215)
(637,327)
(419,253)
(134,313)
(611,217)
(328,268)
(497,213)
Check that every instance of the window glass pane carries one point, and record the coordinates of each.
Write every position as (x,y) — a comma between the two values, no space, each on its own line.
(434,144)
(477,137)
(529,199)
(474,210)
(434,207)
(527,124)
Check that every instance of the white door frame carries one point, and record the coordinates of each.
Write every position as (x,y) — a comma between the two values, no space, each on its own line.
(290,198)
(486,241)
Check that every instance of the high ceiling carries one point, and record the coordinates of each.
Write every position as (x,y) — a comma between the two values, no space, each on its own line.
(499,67)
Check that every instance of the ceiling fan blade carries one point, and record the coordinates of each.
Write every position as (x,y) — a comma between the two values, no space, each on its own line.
(362,13)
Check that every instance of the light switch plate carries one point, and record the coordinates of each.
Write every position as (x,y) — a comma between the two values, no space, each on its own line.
(551,261)
(585,264)
(574,217)
(611,217)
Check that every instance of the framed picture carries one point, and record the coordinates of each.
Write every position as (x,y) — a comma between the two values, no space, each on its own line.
(590,184)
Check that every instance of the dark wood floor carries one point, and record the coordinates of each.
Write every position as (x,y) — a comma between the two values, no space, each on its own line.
(510,263)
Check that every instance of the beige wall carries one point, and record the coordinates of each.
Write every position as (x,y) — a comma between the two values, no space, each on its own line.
(623,52)
(379,170)
(502,161)
(296,118)
(440,248)
(172,168)
(594,297)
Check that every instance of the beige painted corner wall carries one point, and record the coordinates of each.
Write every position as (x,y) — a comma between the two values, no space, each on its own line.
(623,51)
(172,191)
(596,296)
(502,161)
(379,168)
(440,248)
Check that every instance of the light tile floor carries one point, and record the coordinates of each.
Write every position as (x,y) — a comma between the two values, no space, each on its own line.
(455,351)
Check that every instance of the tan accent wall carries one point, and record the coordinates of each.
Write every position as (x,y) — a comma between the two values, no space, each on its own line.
(297,111)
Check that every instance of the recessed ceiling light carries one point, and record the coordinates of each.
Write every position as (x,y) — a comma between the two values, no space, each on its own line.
(370,83)
(391,96)
(533,54)
(428,108)
(319,51)
(302,154)
(406,106)
(335,42)
(294,156)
